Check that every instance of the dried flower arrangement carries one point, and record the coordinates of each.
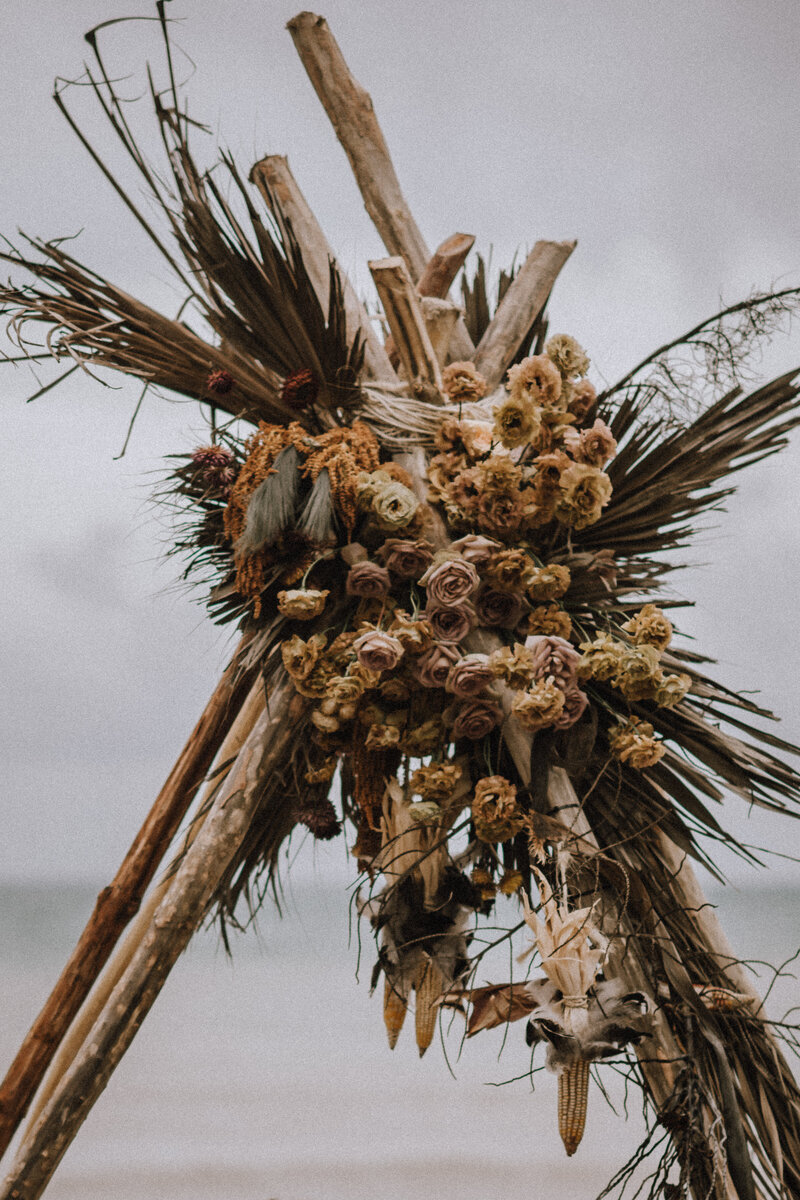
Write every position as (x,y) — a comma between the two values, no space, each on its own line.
(445,554)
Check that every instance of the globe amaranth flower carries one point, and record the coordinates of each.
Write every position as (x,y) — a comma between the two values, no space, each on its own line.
(302,604)
(650,627)
(537,380)
(568,356)
(378,651)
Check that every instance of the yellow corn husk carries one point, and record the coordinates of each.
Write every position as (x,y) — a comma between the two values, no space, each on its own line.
(394,1012)
(722,999)
(573,1092)
(429,986)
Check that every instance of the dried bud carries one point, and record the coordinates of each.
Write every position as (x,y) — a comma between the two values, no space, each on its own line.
(220,382)
(300,389)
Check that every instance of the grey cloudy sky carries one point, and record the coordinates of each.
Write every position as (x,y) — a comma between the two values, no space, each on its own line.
(662,136)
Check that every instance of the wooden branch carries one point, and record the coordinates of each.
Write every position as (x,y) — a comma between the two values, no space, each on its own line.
(118,963)
(441,318)
(350,110)
(519,308)
(445,263)
(176,919)
(117,903)
(278,186)
(406,322)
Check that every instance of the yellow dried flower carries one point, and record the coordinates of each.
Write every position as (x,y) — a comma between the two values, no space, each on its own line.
(302,604)
(549,583)
(514,666)
(462,382)
(542,705)
(300,657)
(585,491)
(601,658)
(511,570)
(324,722)
(638,672)
(510,882)
(437,781)
(550,620)
(424,738)
(635,744)
(517,421)
(650,627)
(535,379)
(494,809)
(569,357)
(381,737)
(671,689)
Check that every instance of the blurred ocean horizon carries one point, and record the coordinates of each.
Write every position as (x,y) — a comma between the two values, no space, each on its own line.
(267,1074)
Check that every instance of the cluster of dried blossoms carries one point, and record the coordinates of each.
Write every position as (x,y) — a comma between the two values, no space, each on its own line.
(407,649)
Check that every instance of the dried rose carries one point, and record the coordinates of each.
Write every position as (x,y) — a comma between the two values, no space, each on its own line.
(553,657)
(451,624)
(477,437)
(513,665)
(346,688)
(517,421)
(395,506)
(535,379)
(413,633)
(601,658)
(671,689)
(541,706)
(638,672)
(433,667)
(476,718)
(406,558)
(303,604)
(476,549)
(585,491)
(650,627)
(583,398)
(437,781)
(394,690)
(300,657)
(368,580)
(378,651)
(635,744)
(382,737)
(594,446)
(324,722)
(461,382)
(449,580)
(469,676)
(495,811)
(549,619)
(498,609)
(501,513)
(575,704)
(549,583)
(569,357)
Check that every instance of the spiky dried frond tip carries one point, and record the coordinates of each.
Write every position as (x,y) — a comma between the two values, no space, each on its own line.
(243,275)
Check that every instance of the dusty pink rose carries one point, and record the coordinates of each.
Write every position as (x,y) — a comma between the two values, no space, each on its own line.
(450,582)
(469,676)
(378,651)
(553,656)
(476,718)
(575,705)
(476,548)
(450,624)
(582,399)
(433,668)
(406,558)
(501,512)
(368,580)
(498,609)
(594,446)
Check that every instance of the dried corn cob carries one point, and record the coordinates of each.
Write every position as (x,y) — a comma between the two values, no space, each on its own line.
(394,1011)
(722,999)
(429,986)
(573,1091)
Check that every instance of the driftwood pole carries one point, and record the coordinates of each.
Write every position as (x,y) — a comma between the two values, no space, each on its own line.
(117,903)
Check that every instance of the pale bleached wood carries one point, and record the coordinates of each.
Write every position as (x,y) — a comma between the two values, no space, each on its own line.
(519,308)
(274,179)
(403,310)
(118,903)
(119,962)
(441,318)
(352,115)
(175,920)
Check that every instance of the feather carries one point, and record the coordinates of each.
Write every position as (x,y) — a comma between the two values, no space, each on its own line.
(273,505)
(316,519)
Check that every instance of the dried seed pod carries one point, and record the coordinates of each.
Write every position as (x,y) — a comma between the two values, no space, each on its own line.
(395,1006)
(573,1092)
(429,986)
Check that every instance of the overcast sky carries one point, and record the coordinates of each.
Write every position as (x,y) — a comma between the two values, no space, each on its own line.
(663,137)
